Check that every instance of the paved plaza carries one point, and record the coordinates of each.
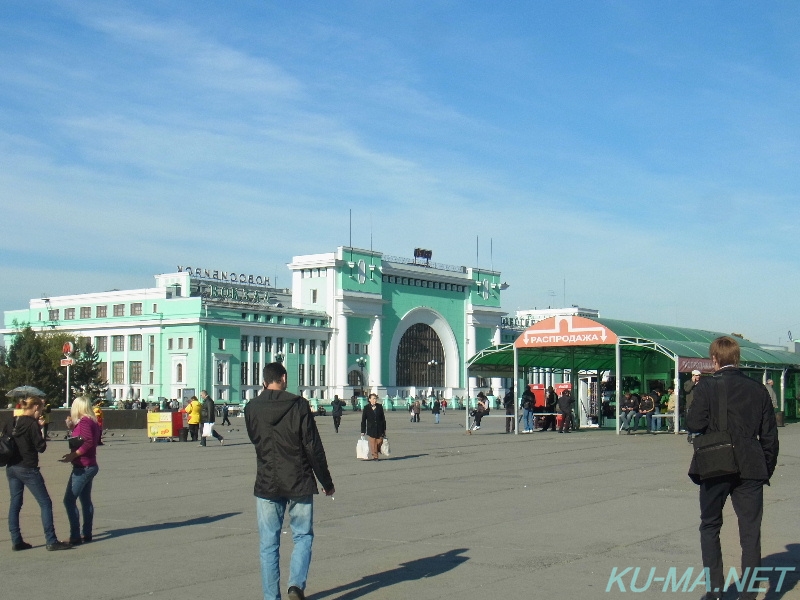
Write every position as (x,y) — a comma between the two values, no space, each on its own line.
(449,516)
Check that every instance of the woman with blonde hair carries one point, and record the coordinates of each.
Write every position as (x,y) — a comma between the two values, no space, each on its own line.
(83,456)
(23,471)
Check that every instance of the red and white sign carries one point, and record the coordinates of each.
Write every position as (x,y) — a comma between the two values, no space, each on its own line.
(568,330)
(68,348)
(66,362)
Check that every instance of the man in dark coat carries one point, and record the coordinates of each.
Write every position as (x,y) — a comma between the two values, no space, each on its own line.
(565,403)
(751,424)
(550,406)
(508,403)
(209,414)
(337,409)
(289,454)
(373,425)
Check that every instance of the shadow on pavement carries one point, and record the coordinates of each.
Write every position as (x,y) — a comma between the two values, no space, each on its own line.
(112,533)
(422,568)
(790,558)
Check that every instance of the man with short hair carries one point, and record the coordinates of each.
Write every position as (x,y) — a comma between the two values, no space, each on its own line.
(754,434)
(565,403)
(629,412)
(772,395)
(209,414)
(289,458)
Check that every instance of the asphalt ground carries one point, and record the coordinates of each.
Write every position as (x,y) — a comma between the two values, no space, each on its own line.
(447,516)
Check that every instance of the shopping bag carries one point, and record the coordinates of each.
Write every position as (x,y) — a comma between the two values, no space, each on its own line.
(385,447)
(362,449)
(207,429)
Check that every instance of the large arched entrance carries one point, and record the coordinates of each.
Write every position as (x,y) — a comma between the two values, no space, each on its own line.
(420,358)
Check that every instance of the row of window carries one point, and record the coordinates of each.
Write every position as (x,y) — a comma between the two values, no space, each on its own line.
(100,312)
(253,377)
(280,319)
(358,348)
(436,285)
(279,345)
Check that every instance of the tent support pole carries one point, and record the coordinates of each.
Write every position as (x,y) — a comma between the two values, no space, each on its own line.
(618,380)
(516,390)
(677,391)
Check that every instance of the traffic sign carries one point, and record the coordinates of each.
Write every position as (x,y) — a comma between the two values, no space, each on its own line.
(65,362)
(68,348)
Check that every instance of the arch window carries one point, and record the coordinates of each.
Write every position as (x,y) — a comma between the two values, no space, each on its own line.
(420,358)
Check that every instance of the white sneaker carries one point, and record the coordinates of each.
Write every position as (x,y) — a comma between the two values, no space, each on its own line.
(476,427)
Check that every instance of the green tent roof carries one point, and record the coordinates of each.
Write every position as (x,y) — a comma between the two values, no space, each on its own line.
(498,361)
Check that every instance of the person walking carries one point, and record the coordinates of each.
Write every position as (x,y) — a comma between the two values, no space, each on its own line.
(23,471)
(688,390)
(209,416)
(436,409)
(83,425)
(290,458)
(337,411)
(373,425)
(754,433)
(551,406)
(193,416)
(225,414)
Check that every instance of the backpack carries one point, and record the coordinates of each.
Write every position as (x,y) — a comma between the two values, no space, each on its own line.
(8,445)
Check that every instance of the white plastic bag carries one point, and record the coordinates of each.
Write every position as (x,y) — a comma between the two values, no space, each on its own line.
(362,449)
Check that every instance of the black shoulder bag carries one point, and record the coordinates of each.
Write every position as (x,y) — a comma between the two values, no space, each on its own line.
(8,445)
(713,451)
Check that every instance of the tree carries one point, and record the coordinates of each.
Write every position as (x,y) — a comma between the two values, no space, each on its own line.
(87,377)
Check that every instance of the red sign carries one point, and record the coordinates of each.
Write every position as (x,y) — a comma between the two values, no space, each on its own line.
(568,330)
(65,362)
(68,348)
(687,365)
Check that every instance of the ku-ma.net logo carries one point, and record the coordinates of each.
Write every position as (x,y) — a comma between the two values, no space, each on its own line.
(689,580)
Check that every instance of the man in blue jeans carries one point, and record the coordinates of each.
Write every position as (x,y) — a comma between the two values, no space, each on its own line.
(289,460)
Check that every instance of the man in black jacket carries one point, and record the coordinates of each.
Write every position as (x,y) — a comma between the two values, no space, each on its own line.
(565,403)
(751,424)
(289,454)
(209,414)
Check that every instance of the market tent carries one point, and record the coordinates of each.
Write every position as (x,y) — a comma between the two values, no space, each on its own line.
(581,344)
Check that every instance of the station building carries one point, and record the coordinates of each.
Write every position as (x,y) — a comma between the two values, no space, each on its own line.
(354,321)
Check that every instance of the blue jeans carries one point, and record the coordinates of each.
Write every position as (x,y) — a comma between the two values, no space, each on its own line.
(80,486)
(269,513)
(656,421)
(527,417)
(630,418)
(19,478)
(435,417)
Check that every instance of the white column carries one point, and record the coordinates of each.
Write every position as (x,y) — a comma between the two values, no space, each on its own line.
(341,350)
(375,357)
(250,350)
(471,345)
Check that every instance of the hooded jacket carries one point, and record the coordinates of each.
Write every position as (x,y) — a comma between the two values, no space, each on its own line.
(289,451)
(29,440)
(751,421)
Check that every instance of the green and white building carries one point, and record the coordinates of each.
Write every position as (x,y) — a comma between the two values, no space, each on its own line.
(354,321)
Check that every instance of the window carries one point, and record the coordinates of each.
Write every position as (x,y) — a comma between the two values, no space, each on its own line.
(83,342)
(119,310)
(190,343)
(118,343)
(180,343)
(52,314)
(323,347)
(349,348)
(135,342)
(279,344)
(103,370)
(301,374)
(69,314)
(220,372)
(244,373)
(155,308)
(267,344)
(280,318)
(169,344)
(86,312)
(302,345)
(291,347)
(179,373)
(255,374)
(312,347)
(101,312)
(221,344)
(322,374)
(311,375)
(118,376)
(256,343)
(136,371)
(313,296)
(136,309)
(101,344)
(245,342)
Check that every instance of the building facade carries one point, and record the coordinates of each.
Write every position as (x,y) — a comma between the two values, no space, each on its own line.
(355,321)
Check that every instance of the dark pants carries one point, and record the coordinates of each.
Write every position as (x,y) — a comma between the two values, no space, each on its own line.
(337,420)
(510,422)
(193,430)
(225,420)
(479,414)
(566,422)
(79,487)
(747,496)
(549,422)
(214,433)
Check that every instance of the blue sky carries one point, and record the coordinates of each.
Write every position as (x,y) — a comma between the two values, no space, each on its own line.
(641,158)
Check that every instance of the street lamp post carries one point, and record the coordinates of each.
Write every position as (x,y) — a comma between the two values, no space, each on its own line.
(432,364)
(361,362)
